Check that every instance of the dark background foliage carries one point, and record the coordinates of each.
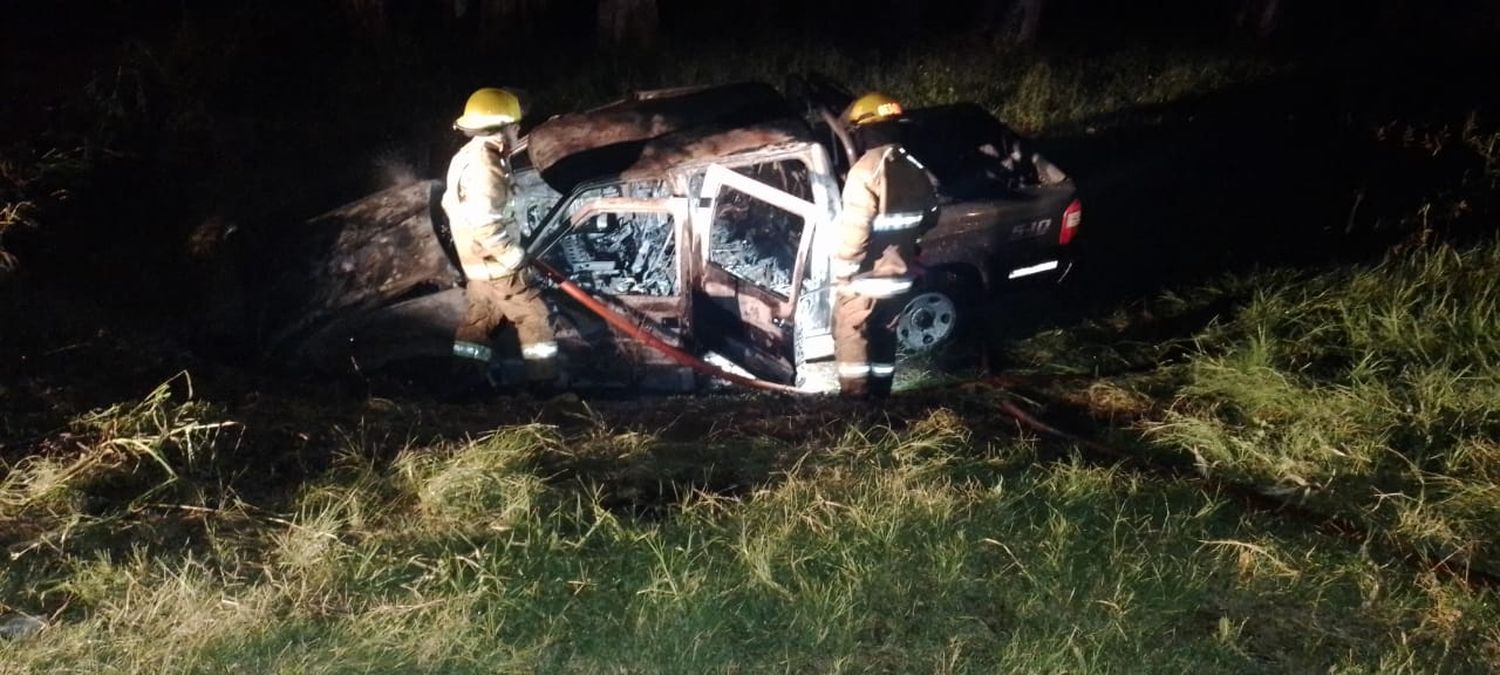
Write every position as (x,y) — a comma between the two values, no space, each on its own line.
(145,135)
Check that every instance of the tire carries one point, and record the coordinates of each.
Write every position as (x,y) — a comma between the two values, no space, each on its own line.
(928,322)
(940,318)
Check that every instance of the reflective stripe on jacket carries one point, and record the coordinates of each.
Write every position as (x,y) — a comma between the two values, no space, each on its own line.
(888,202)
(477,202)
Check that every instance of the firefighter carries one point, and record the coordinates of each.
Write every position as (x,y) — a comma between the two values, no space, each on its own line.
(888,202)
(488,243)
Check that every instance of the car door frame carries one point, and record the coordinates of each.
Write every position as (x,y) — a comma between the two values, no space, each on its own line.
(809,287)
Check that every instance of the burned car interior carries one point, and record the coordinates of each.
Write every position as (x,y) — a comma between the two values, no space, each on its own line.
(618,240)
(753,239)
(621,254)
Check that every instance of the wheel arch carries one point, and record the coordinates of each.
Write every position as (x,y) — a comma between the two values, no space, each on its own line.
(965,280)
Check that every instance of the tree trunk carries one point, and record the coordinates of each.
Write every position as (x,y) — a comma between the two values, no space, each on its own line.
(628,23)
(1259,17)
(1016,21)
(457,18)
(497,17)
(1393,14)
(1029,23)
(368,17)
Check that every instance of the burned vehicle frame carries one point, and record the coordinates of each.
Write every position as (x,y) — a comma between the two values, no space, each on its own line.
(704,215)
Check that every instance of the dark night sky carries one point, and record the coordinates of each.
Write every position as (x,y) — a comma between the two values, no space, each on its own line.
(885,23)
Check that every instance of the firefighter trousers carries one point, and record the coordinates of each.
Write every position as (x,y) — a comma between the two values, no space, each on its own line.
(514,298)
(864,346)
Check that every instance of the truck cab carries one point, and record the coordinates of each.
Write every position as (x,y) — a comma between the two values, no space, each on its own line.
(752,204)
(726,255)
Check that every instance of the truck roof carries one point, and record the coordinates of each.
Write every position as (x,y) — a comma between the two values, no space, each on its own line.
(651,132)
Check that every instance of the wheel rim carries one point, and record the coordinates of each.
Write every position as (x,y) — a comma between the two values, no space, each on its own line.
(927,322)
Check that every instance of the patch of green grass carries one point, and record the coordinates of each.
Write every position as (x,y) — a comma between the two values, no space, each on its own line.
(1375,388)
(918,547)
(1369,392)
(1143,336)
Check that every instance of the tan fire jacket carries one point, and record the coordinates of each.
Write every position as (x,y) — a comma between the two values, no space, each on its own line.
(477,201)
(888,202)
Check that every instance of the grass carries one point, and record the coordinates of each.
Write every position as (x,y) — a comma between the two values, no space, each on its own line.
(924,545)
(30,182)
(1367,392)
(1376,388)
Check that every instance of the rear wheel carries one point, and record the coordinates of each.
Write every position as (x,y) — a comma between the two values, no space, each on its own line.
(928,322)
(942,316)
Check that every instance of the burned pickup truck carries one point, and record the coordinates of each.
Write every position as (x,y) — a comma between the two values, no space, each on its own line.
(704,215)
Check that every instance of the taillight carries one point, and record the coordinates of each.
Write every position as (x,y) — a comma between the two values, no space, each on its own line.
(1071,219)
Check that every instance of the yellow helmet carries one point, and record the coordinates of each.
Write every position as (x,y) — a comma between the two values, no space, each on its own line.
(872,107)
(489,108)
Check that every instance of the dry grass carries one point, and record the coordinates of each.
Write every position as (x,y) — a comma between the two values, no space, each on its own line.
(1374,389)
(924,544)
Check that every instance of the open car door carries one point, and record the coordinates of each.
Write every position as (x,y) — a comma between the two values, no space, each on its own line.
(753,226)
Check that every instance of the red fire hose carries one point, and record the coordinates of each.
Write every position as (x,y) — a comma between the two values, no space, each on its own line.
(613,318)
